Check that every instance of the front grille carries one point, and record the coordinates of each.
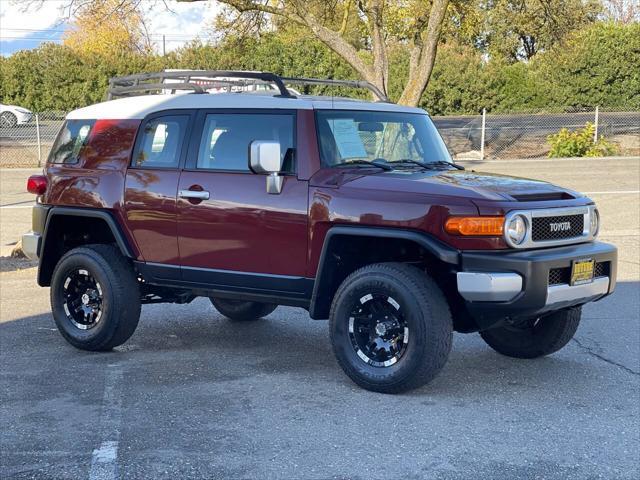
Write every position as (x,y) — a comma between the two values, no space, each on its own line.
(558,276)
(556,228)
(601,270)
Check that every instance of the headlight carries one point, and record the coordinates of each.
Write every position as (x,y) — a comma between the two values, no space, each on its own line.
(594,221)
(516,229)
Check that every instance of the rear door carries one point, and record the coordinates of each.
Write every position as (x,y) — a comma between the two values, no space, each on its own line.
(151,186)
(231,232)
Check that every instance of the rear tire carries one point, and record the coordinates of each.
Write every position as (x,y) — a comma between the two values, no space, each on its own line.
(8,120)
(540,337)
(390,327)
(95,298)
(241,311)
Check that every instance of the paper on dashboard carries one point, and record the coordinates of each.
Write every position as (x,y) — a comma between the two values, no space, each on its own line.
(345,133)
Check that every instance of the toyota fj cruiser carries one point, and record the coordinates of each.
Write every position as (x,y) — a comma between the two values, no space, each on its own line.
(259,196)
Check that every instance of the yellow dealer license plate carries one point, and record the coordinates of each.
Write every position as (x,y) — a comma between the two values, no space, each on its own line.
(582,271)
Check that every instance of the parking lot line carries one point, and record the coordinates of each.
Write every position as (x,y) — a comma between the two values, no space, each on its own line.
(613,192)
(11,207)
(104,459)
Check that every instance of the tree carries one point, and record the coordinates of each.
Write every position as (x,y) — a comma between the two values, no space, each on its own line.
(107,28)
(415,23)
(519,29)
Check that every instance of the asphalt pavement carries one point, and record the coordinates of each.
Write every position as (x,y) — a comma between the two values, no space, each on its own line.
(192,395)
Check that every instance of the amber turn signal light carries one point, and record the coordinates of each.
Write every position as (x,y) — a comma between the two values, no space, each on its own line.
(475,226)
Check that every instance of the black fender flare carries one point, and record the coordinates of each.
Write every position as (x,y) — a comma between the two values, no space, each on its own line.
(44,270)
(320,300)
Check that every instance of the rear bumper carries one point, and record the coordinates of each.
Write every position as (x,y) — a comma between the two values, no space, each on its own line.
(32,241)
(31,245)
(509,285)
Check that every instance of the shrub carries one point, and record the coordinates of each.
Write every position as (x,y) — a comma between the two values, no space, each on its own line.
(579,143)
(597,65)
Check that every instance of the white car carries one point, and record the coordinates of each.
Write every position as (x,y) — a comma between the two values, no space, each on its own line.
(11,115)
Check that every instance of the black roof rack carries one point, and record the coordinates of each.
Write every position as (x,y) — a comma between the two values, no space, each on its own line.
(199,80)
(147,82)
(338,83)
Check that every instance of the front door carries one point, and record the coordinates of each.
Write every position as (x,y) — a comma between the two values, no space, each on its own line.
(232,234)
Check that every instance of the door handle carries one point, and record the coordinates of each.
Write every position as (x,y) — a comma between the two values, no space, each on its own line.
(194,194)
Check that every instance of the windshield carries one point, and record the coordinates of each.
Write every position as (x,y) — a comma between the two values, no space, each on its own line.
(347,136)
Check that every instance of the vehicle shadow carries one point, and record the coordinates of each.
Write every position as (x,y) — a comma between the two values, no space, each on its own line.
(180,342)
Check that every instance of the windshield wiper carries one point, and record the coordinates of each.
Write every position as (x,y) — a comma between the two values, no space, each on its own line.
(374,163)
(444,162)
(429,165)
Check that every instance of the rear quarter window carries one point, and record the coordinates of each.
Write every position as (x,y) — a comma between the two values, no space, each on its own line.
(70,141)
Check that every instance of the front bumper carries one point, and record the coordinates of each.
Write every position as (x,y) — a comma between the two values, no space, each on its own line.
(497,286)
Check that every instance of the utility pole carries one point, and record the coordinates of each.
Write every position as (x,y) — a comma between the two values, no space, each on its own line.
(484,122)
(164,45)
(38,140)
(595,133)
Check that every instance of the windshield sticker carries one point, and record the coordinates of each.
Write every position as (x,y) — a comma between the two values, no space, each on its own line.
(347,138)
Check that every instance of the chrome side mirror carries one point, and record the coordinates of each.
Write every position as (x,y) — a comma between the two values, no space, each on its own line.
(264,157)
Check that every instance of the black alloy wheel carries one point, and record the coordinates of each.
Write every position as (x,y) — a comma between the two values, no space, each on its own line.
(82,299)
(378,331)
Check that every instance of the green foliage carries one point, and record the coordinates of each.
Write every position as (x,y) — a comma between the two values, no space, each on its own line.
(595,66)
(459,83)
(520,29)
(579,143)
(55,77)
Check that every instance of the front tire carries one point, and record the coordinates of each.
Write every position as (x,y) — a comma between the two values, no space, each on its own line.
(95,298)
(390,327)
(241,311)
(536,338)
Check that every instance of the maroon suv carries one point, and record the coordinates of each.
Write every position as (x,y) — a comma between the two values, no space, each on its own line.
(353,210)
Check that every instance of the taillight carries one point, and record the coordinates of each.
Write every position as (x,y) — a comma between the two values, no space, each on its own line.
(37,184)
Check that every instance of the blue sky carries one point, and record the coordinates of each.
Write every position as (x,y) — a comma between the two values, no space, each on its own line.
(26,29)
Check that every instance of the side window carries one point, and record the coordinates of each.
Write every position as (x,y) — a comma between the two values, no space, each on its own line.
(72,137)
(161,142)
(226,138)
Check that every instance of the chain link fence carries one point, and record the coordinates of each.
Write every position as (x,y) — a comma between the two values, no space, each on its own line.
(483,136)
(524,134)
(28,145)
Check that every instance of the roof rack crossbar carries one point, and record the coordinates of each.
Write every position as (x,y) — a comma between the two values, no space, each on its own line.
(120,85)
(147,87)
(338,83)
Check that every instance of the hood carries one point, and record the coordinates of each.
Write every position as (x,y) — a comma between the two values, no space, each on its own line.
(469,184)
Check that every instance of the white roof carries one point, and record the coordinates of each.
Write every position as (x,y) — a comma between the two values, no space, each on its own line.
(141,106)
